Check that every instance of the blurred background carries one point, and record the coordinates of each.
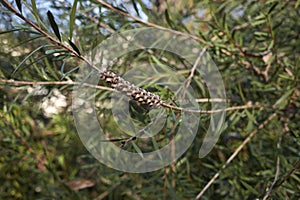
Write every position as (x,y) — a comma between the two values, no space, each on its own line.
(256,47)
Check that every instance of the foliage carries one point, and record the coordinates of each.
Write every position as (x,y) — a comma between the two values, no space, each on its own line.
(255,45)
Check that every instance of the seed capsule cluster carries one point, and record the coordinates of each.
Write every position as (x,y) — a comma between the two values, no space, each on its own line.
(138,94)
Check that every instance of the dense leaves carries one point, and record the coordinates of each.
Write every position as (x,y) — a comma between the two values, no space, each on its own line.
(256,47)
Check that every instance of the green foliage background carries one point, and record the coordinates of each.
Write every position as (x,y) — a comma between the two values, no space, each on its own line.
(256,46)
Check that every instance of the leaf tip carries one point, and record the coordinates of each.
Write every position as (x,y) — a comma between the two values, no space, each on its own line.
(74,47)
(19,5)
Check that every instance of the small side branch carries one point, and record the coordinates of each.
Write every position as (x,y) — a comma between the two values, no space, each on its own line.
(235,153)
(247,106)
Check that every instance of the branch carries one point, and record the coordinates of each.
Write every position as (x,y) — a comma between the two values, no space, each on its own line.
(54,83)
(297,166)
(235,153)
(48,36)
(274,187)
(189,79)
(247,106)
(136,19)
(116,82)
(204,100)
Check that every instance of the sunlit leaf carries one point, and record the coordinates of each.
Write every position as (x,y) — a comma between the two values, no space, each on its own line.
(282,102)
(138,150)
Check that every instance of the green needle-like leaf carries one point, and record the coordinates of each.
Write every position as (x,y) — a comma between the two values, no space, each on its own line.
(27,57)
(72,18)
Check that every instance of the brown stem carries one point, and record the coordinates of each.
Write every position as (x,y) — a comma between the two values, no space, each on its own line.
(236,152)
(109,6)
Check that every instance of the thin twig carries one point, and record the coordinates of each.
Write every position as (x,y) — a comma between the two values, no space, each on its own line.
(45,34)
(192,73)
(277,169)
(141,132)
(60,44)
(297,166)
(247,106)
(204,100)
(76,54)
(275,179)
(109,6)
(274,187)
(14,82)
(136,19)
(93,19)
(235,153)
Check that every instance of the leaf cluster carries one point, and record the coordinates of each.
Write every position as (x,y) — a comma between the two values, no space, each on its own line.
(256,47)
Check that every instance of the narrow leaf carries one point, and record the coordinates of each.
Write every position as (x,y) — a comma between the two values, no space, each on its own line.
(297,4)
(53,25)
(27,57)
(9,31)
(27,41)
(284,99)
(72,18)
(138,150)
(35,11)
(119,9)
(52,51)
(51,69)
(135,6)
(70,71)
(169,21)
(272,8)
(18,2)
(74,47)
